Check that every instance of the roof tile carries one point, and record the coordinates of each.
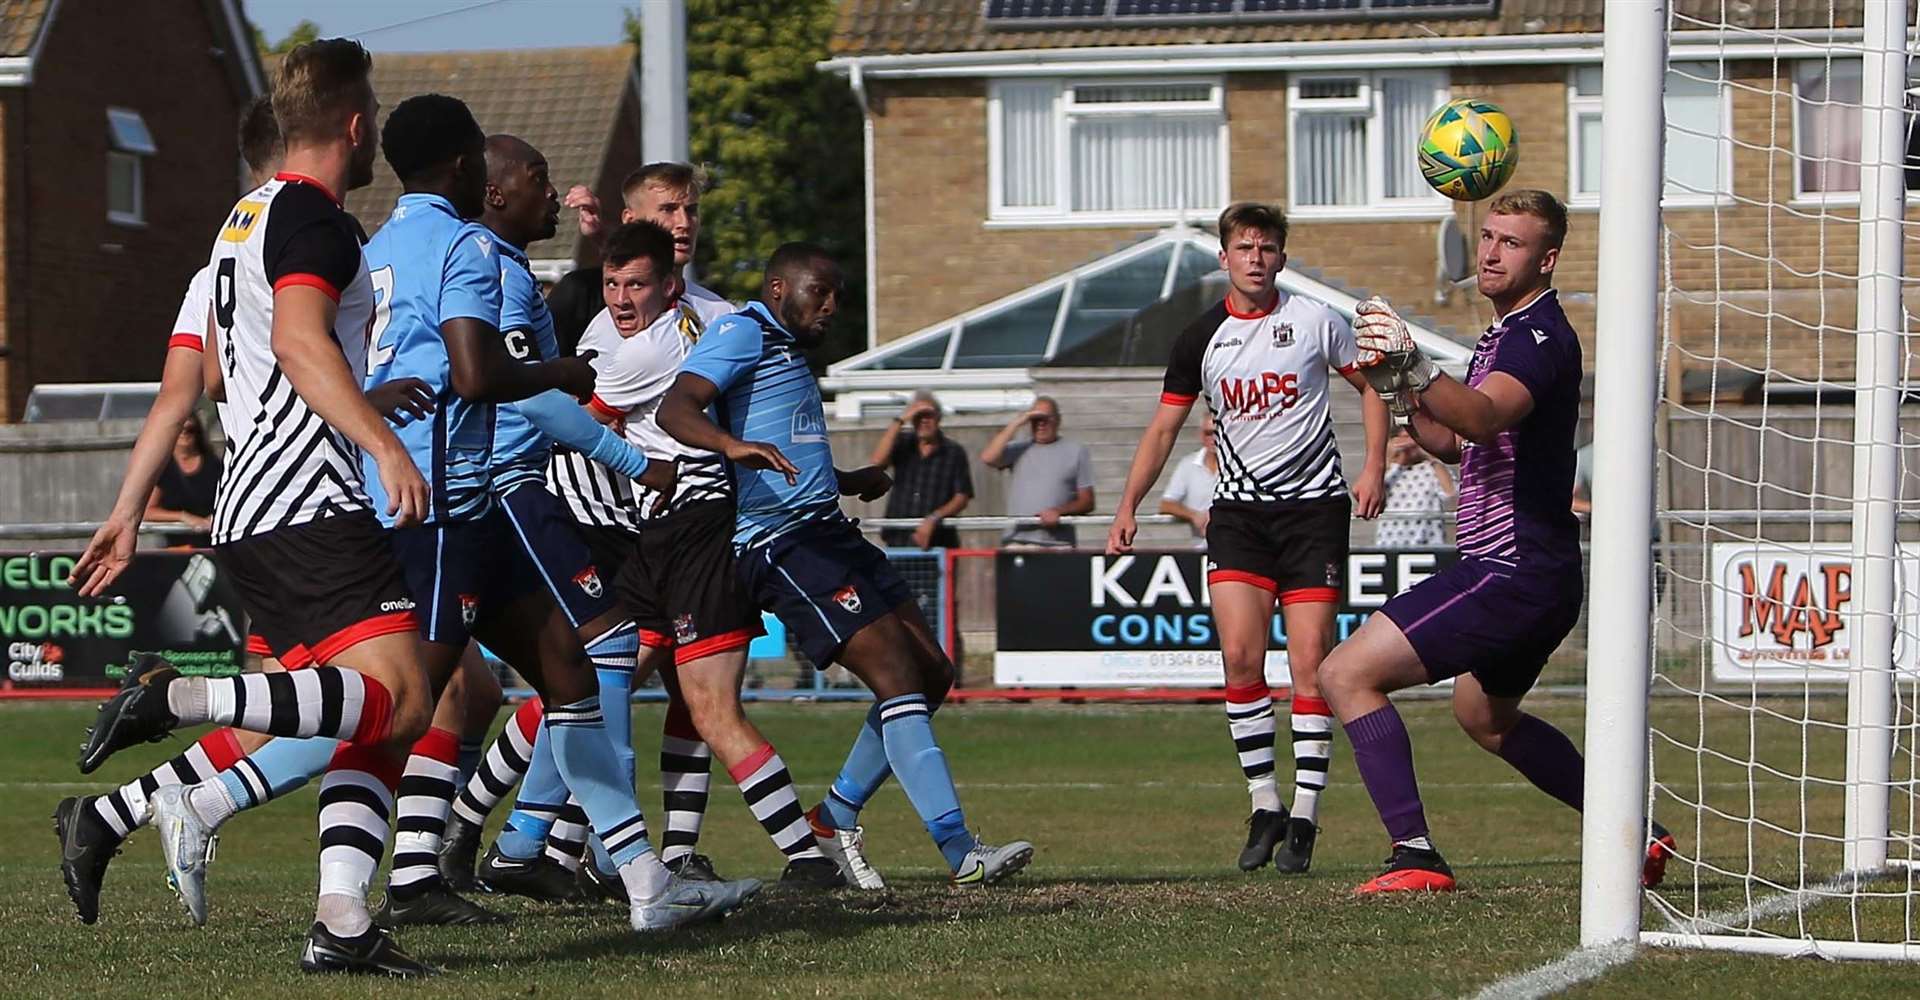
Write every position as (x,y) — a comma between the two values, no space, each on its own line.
(563,101)
(20,22)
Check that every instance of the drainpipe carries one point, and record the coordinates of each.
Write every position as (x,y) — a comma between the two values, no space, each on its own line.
(857,80)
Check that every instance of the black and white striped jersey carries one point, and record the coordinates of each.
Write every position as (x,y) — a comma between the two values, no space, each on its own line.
(633,376)
(284,465)
(1264,376)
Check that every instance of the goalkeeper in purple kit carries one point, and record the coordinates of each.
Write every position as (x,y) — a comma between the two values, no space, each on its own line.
(1492,619)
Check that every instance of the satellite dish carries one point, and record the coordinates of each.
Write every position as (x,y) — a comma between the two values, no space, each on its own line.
(1452,253)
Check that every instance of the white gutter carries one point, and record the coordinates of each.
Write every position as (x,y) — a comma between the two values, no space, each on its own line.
(856,79)
(242,35)
(1376,53)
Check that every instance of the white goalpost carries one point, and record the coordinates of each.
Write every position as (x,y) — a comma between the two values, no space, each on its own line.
(1765,711)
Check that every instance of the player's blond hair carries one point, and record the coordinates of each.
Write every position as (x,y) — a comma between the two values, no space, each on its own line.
(319,86)
(670,174)
(1539,204)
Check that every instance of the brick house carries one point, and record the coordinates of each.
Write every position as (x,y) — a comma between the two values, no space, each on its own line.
(1009,140)
(117,162)
(579,106)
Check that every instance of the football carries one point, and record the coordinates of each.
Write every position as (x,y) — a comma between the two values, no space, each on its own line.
(1468,149)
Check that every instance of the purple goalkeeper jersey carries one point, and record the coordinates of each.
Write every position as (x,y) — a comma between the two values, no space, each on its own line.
(1516,492)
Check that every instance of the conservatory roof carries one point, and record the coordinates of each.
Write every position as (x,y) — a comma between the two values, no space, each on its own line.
(1122,309)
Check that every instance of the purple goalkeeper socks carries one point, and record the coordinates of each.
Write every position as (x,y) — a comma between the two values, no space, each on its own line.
(1547,758)
(1384,756)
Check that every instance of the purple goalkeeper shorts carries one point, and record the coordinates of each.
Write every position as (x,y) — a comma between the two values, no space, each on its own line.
(1495,623)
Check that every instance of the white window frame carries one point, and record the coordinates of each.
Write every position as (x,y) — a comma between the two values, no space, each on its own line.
(1801,196)
(1061,213)
(133,156)
(1579,106)
(1429,204)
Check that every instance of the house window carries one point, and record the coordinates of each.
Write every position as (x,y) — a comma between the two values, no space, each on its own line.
(1107,150)
(1826,129)
(1699,139)
(1355,141)
(128,145)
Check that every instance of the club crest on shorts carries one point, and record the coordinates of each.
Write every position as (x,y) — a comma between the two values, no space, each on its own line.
(589,580)
(469,609)
(683,630)
(848,598)
(1282,334)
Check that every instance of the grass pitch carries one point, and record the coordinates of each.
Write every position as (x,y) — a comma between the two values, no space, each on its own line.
(1137,813)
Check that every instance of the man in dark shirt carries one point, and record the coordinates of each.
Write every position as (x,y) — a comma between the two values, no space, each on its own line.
(931,480)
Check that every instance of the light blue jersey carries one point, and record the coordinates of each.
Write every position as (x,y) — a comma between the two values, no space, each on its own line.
(768,394)
(521,450)
(430,266)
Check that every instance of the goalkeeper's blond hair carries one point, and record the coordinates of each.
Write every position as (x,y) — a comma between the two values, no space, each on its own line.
(1539,204)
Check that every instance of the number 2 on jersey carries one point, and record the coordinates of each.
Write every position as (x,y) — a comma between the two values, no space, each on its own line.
(381,350)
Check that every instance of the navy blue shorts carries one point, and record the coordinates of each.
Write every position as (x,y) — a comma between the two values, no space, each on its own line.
(462,572)
(825,583)
(1498,624)
(553,543)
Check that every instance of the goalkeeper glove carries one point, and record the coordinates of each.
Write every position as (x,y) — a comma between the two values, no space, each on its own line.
(1388,358)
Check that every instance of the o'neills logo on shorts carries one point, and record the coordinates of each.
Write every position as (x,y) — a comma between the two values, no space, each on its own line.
(1333,574)
(683,631)
(848,598)
(404,604)
(589,581)
(469,609)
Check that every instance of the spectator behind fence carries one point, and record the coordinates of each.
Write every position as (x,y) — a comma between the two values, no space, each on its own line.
(1189,494)
(1417,483)
(1052,477)
(184,495)
(931,480)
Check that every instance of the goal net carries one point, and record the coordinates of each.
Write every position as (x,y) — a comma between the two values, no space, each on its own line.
(1782,729)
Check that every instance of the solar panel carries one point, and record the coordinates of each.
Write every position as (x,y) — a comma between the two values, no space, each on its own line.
(1367,8)
(1173,8)
(1019,13)
(1051,10)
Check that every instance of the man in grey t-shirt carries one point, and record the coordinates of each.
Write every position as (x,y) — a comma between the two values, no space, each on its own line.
(1051,477)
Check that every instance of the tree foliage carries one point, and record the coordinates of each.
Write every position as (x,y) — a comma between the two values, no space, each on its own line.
(302,33)
(783,142)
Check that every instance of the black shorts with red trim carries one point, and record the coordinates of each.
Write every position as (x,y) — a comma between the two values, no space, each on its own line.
(612,549)
(553,543)
(463,572)
(1296,551)
(291,655)
(826,583)
(683,585)
(320,587)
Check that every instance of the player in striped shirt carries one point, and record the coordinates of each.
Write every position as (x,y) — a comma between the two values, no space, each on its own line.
(1491,620)
(1277,531)
(293,524)
(92,827)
